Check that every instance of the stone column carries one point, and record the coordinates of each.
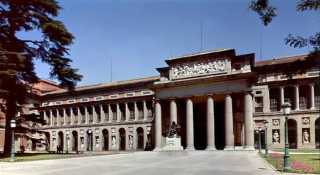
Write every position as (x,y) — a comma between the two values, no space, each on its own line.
(110,113)
(296,90)
(173,111)
(71,116)
(51,117)
(158,126)
(248,121)
(94,114)
(102,114)
(136,111)
(312,106)
(210,124)
(79,116)
(86,113)
(145,110)
(281,96)
(190,135)
(118,112)
(127,111)
(45,117)
(229,123)
(64,116)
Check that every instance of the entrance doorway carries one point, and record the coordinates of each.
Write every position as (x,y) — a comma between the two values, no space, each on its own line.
(105,140)
(292,133)
(89,140)
(60,142)
(140,135)
(200,125)
(74,141)
(122,133)
(219,125)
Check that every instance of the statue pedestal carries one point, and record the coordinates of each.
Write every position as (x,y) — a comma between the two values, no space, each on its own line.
(172,144)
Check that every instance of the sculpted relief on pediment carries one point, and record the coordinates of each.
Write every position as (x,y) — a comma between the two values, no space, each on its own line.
(192,69)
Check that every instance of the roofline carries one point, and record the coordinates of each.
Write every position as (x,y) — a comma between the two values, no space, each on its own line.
(105,85)
(198,54)
(276,59)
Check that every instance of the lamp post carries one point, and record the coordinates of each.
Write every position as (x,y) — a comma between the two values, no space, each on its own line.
(90,140)
(286,111)
(12,125)
(266,137)
(259,133)
(67,133)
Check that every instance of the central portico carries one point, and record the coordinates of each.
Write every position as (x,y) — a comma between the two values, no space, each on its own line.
(209,96)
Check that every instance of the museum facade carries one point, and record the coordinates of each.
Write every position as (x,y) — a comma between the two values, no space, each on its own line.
(217,99)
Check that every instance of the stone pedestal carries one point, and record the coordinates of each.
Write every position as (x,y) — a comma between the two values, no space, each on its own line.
(172,144)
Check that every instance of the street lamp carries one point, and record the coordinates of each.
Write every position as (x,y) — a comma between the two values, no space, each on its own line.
(266,137)
(259,133)
(12,125)
(286,111)
(67,133)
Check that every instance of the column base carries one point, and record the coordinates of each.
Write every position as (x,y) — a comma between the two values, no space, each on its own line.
(157,149)
(189,148)
(229,148)
(249,148)
(211,148)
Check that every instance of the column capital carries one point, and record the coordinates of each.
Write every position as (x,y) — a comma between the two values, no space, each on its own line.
(157,99)
(172,98)
(210,95)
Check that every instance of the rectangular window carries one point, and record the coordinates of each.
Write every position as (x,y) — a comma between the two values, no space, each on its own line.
(303,102)
(273,105)
(258,104)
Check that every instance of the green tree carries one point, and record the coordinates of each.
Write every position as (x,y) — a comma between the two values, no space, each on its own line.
(267,12)
(17,54)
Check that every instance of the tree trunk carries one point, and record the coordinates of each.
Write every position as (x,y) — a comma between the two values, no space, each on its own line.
(10,114)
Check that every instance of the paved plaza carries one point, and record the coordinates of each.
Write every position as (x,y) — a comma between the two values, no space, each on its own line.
(147,163)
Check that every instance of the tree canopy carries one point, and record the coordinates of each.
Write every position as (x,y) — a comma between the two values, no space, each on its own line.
(267,12)
(18,54)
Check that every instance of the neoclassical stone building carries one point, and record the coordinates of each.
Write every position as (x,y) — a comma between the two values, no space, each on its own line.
(219,100)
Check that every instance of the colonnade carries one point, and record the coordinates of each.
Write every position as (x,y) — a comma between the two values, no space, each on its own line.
(99,113)
(312,99)
(229,133)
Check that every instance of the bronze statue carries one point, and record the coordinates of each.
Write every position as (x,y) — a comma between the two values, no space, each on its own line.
(173,130)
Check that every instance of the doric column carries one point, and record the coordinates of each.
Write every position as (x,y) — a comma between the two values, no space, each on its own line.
(94,113)
(248,121)
(136,111)
(158,126)
(64,116)
(110,113)
(72,119)
(102,114)
(229,123)
(79,116)
(296,90)
(312,106)
(145,110)
(118,112)
(190,135)
(86,113)
(51,117)
(281,95)
(45,117)
(127,111)
(173,111)
(210,124)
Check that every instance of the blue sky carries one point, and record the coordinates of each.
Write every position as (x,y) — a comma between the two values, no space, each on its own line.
(139,35)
